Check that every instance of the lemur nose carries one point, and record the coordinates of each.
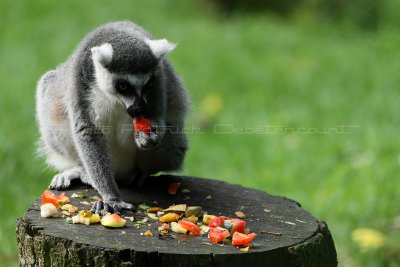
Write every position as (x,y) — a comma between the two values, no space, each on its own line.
(134,111)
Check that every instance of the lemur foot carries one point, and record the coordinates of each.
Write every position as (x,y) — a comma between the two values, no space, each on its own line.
(63,180)
(111,206)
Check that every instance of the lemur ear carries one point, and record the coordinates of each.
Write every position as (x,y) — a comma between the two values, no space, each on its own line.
(102,54)
(160,47)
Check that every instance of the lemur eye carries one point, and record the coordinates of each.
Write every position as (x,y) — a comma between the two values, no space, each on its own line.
(122,87)
(149,83)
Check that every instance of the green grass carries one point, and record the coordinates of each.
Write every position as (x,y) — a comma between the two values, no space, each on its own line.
(295,73)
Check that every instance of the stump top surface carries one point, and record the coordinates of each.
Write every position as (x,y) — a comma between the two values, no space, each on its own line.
(277,221)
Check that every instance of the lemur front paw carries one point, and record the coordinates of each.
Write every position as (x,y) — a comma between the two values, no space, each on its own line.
(63,180)
(111,206)
(147,141)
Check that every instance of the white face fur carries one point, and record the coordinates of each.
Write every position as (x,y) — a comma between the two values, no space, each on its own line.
(102,56)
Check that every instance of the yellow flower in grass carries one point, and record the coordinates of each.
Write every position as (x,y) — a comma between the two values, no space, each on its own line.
(368,238)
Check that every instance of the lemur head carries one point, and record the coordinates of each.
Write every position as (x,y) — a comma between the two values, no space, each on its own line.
(126,68)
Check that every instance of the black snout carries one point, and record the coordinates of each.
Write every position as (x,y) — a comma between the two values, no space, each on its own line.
(135,110)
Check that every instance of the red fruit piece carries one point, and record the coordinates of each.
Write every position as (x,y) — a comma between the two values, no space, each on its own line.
(173,188)
(142,124)
(49,197)
(219,221)
(113,220)
(239,239)
(217,234)
(236,225)
(191,227)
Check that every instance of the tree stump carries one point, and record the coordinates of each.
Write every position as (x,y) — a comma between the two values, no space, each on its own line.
(287,235)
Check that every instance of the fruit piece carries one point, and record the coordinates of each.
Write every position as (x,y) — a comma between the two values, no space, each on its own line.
(143,206)
(95,218)
(217,234)
(50,197)
(235,225)
(191,227)
(239,239)
(163,227)
(142,222)
(169,217)
(148,233)
(78,195)
(204,229)
(240,215)
(238,225)
(192,219)
(177,228)
(65,213)
(152,215)
(173,188)
(66,207)
(154,209)
(207,218)
(73,209)
(193,210)
(245,249)
(142,124)
(181,208)
(86,217)
(163,232)
(48,210)
(85,213)
(70,208)
(113,221)
(218,221)
(80,219)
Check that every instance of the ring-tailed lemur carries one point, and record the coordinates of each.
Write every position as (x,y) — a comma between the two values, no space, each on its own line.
(86,105)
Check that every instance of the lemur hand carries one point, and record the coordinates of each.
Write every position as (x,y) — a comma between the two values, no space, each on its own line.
(147,141)
(111,206)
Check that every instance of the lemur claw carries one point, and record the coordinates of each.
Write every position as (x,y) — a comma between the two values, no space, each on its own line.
(112,206)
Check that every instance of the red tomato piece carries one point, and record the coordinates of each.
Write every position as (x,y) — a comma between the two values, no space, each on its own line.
(49,197)
(142,124)
(173,188)
(219,221)
(217,234)
(237,225)
(239,239)
(191,227)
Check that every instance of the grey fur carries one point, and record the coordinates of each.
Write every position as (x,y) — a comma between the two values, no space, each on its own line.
(86,131)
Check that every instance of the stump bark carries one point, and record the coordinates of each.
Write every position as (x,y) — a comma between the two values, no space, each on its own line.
(287,235)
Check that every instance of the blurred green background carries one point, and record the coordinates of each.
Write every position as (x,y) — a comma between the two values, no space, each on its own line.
(304,65)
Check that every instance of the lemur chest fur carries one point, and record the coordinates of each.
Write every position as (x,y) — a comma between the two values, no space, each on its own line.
(117,128)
